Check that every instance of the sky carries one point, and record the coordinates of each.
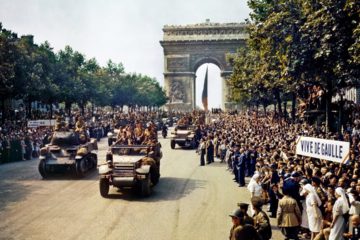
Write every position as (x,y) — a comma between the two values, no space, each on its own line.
(126,31)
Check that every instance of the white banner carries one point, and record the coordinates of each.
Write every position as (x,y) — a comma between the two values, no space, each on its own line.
(336,151)
(41,123)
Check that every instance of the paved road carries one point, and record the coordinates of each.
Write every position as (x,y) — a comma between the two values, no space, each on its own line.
(190,202)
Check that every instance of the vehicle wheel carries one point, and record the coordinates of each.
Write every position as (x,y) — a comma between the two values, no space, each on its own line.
(172,144)
(42,169)
(193,144)
(80,168)
(104,187)
(155,176)
(145,186)
(94,161)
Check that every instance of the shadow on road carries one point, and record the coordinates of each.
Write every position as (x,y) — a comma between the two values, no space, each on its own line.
(168,189)
(28,170)
(16,185)
(67,175)
(12,192)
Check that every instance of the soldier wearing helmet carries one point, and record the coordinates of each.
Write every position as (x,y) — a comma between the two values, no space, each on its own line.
(240,230)
(80,125)
(80,129)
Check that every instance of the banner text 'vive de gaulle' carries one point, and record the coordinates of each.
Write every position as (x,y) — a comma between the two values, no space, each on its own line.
(336,151)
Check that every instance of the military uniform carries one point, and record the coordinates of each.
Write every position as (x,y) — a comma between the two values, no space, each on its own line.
(289,217)
(80,128)
(59,124)
(242,232)
(262,225)
(244,208)
(80,125)
(248,220)
(138,134)
(234,231)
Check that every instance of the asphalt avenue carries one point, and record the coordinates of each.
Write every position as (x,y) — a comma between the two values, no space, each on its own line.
(190,202)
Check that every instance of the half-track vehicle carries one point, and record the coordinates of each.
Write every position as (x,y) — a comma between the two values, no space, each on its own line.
(184,136)
(66,153)
(130,166)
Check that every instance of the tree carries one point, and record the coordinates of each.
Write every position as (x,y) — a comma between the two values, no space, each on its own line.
(89,81)
(51,92)
(35,73)
(301,43)
(70,63)
(329,35)
(8,57)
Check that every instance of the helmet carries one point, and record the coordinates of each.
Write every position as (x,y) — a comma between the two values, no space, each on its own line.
(243,205)
(82,137)
(237,213)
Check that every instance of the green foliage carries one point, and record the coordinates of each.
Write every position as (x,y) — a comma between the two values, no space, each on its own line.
(36,73)
(294,43)
(8,57)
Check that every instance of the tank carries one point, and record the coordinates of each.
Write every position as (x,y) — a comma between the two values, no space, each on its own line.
(67,152)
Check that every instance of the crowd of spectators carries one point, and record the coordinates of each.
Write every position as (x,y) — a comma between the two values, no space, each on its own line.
(20,142)
(318,197)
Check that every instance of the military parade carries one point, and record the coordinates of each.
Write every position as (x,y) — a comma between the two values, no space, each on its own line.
(158,126)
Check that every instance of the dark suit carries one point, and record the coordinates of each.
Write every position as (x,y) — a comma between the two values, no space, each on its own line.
(241,169)
(235,162)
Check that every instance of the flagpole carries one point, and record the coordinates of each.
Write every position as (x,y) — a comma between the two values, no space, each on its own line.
(204,97)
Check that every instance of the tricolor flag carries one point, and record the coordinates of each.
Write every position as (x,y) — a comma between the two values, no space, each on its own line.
(204,97)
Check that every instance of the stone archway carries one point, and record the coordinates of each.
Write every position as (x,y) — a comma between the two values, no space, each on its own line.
(188,47)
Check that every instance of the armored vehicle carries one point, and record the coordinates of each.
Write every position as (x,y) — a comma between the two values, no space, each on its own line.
(67,152)
(184,136)
(135,166)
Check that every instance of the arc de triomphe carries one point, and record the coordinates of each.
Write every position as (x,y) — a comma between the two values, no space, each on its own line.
(187,47)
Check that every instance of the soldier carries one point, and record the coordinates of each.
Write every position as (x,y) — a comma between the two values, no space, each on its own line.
(237,218)
(149,133)
(80,125)
(153,129)
(59,124)
(289,215)
(80,129)
(138,132)
(239,230)
(244,208)
(293,187)
(261,220)
(122,138)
